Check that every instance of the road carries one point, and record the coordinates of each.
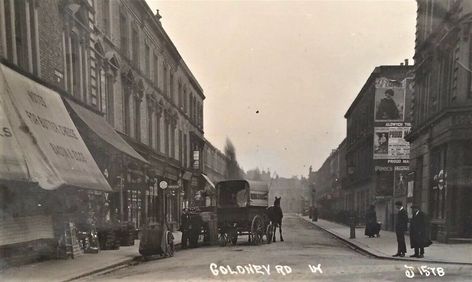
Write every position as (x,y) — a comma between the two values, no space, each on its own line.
(304,245)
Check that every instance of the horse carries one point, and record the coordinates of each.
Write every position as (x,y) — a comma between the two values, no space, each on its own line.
(275,216)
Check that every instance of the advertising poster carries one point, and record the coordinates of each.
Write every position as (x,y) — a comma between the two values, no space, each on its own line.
(389,100)
(401,184)
(385,182)
(390,143)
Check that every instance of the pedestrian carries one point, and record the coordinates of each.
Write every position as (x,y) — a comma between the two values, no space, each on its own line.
(371,222)
(419,232)
(401,226)
(184,227)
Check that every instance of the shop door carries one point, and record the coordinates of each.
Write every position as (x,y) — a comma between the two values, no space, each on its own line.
(467,216)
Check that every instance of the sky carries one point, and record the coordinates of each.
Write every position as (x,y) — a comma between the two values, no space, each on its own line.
(279,76)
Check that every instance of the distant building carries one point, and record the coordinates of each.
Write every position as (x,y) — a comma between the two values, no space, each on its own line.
(292,191)
(330,199)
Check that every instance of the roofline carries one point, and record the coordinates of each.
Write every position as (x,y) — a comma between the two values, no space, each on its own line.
(173,49)
(377,70)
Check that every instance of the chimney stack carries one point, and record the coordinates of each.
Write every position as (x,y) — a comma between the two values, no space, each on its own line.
(158,16)
(406,62)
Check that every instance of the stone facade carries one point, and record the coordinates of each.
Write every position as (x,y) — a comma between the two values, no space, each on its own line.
(115,59)
(441,137)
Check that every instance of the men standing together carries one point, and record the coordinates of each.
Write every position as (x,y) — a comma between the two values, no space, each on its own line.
(401,227)
(419,231)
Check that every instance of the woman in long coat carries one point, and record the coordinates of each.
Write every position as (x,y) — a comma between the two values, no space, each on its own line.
(419,232)
(370,222)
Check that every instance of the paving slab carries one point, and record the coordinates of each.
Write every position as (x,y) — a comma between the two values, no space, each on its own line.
(386,245)
(81,266)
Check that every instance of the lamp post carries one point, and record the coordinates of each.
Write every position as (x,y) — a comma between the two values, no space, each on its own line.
(121,198)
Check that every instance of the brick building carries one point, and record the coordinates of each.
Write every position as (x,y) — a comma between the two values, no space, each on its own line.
(134,101)
(329,195)
(377,154)
(441,137)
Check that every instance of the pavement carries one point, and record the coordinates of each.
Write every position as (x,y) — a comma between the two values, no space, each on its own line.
(80,266)
(386,245)
(308,253)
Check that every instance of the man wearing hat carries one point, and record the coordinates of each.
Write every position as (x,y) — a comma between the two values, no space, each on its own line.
(419,232)
(401,226)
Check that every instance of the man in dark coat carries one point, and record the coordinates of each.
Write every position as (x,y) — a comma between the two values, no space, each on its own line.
(184,227)
(371,222)
(419,232)
(387,109)
(401,226)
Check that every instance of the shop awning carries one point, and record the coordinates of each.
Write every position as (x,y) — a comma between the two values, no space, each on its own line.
(209,186)
(104,130)
(40,143)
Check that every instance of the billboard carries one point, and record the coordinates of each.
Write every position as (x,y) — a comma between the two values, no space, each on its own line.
(390,143)
(389,100)
(400,181)
(384,181)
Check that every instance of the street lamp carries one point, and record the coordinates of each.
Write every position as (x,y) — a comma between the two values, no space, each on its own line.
(121,197)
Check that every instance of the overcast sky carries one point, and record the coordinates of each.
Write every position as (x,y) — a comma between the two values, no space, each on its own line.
(300,64)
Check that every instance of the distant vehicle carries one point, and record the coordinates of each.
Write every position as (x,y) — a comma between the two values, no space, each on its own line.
(242,210)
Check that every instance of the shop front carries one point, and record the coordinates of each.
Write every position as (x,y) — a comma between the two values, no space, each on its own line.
(45,168)
(126,170)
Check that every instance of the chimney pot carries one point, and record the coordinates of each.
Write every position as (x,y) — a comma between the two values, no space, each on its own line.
(406,62)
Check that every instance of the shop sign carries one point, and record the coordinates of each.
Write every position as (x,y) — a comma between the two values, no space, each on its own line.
(54,151)
(12,162)
(163,184)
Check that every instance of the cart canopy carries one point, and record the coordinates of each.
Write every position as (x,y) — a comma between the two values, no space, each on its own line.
(242,193)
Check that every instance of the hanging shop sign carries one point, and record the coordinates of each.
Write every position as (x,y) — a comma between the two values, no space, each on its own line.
(163,184)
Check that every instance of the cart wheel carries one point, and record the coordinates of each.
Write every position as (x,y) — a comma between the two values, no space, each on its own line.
(269,233)
(170,244)
(233,236)
(257,230)
(223,239)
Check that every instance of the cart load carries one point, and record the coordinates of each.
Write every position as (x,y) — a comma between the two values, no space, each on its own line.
(242,210)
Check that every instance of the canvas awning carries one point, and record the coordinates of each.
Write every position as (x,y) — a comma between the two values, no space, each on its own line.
(104,130)
(39,142)
(209,186)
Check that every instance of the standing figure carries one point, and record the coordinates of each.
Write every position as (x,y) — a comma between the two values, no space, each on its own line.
(275,216)
(419,232)
(184,227)
(371,222)
(401,226)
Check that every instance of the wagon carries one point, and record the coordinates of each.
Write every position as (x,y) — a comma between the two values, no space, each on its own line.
(242,210)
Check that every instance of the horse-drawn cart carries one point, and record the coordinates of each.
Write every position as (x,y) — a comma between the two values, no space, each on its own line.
(242,210)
